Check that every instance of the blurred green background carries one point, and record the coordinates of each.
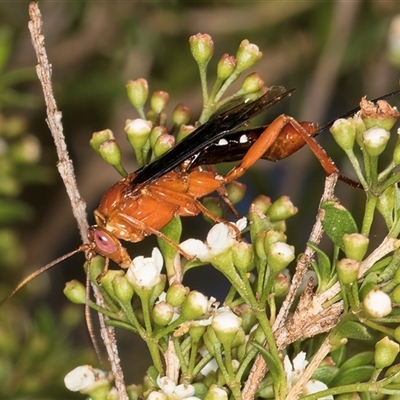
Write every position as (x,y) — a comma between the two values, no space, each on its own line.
(333,53)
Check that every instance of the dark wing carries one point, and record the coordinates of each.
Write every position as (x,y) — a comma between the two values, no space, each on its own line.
(212,131)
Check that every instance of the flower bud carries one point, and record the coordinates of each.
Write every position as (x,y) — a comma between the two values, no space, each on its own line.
(99,137)
(163,144)
(375,140)
(226,325)
(107,281)
(280,255)
(214,206)
(263,203)
(395,295)
(344,133)
(247,55)
(159,101)
(181,115)
(258,221)
(195,306)
(123,289)
(385,352)
(184,131)
(155,133)
(84,378)
(162,313)
(236,191)
(272,236)
(396,151)
(248,317)
(138,132)
(243,256)
(138,92)
(355,245)
(387,201)
(196,332)
(216,393)
(225,67)
(176,294)
(202,48)
(377,304)
(75,292)
(347,270)
(111,153)
(252,83)
(281,208)
(281,285)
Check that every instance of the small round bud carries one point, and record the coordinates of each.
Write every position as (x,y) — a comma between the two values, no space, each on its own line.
(263,203)
(83,378)
(236,191)
(226,325)
(344,133)
(280,255)
(387,201)
(243,256)
(247,55)
(159,101)
(214,206)
(123,289)
(184,130)
(75,292)
(252,83)
(248,317)
(107,280)
(375,140)
(162,313)
(272,236)
(99,137)
(196,332)
(138,131)
(155,133)
(111,153)
(216,393)
(281,208)
(377,304)
(385,352)
(395,295)
(201,47)
(176,294)
(281,285)
(195,306)
(225,67)
(348,270)
(355,245)
(163,144)
(138,92)
(181,115)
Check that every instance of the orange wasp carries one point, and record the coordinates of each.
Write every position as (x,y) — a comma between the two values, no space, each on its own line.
(144,201)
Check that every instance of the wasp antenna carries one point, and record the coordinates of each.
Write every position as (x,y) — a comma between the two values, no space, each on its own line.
(33,275)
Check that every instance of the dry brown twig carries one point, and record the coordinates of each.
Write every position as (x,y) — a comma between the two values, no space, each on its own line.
(66,171)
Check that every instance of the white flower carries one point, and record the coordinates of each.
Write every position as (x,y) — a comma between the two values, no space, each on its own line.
(221,237)
(294,372)
(169,390)
(144,272)
(82,377)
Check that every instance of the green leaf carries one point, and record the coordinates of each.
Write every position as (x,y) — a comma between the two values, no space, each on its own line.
(337,221)
(354,375)
(325,374)
(354,330)
(358,360)
(269,360)
(323,268)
